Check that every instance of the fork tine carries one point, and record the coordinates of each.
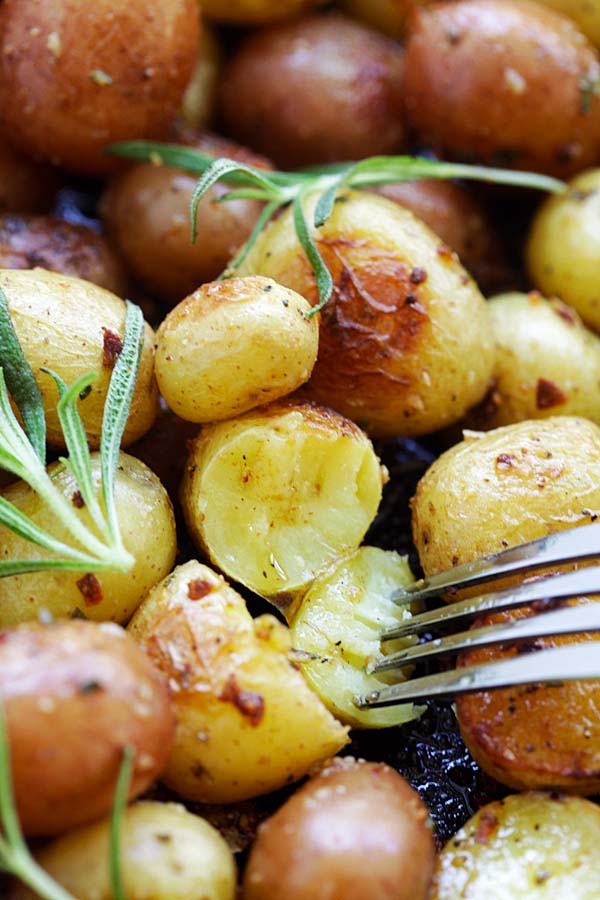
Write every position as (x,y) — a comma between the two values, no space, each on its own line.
(561,621)
(562,586)
(575,661)
(574,544)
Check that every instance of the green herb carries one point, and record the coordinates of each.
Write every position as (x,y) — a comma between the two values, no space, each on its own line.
(278,189)
(22,453)
(588,89)
(119,806)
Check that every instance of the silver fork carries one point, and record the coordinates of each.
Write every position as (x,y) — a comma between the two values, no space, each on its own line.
(550,665)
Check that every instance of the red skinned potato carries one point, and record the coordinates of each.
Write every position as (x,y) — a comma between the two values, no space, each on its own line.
(485,80)
(357,831)
(318,89)
(75,695)
(75,76)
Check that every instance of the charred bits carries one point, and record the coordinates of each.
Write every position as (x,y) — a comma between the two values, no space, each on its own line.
(249,703)
(549,394)
(111,348)
(89,587)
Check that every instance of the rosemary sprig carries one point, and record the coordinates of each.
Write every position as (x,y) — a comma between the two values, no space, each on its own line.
(22,452)
(278,189)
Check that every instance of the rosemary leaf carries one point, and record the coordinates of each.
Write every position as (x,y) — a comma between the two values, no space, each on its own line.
(325,203)
(322,273)
(260,224)
(26,528)
(116,822)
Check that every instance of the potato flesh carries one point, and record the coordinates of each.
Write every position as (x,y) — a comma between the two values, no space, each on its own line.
(340,620)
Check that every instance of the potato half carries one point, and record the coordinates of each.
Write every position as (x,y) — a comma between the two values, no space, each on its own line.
(247,722)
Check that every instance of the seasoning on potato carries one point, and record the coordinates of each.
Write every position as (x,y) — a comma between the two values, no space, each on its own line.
(233,345)
(247,722)
(405,343)
(274,495)
(75,694)
(357,830)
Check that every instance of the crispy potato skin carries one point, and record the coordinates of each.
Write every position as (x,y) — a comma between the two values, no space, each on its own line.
(233,345)
(357,831)
(247,721)
(28,242)
(26,186)
(405,343)
(475,88)
(74,327)
(255,12)
(78,76)
(318,89)
(75,694)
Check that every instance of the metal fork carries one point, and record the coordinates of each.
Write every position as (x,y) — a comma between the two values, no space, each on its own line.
(549,665)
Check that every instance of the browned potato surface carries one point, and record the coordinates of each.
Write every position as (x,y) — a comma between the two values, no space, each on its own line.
(503,81)
(77,76)
(319,89)
(255,12)
(356,831)
(75,694)
(26,186)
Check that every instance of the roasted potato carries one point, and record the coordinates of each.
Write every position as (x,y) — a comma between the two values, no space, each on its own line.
(586,14)
(475,87)
(74,327)
(200,98)
(255,12)
(525,847)
(75,694)
(357,830)
(563,247)
(276,494)
(233,345)
(146,521)
(318,89)
(405,343)
(247,721)
(78,76)
(26,186)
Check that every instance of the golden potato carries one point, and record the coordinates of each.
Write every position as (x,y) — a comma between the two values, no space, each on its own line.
(79,76)
(318,89)
(199,101)
(276,494)
(475,87)
(405,343)
(247,721)
(586,13)
(75,695)
(255,12)
(146,521)
(563,247)
(547,363)
(357,830)
(74,327)
(233,345)
(26,186)
(525,847)
(167,853)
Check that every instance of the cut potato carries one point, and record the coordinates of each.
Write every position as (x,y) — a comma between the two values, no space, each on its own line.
(525,847)
(247,721)
(275,495)
(338,625)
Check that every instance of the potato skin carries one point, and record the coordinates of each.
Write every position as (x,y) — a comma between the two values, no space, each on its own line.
(357,831)
(167,853)
(139,498)
(78,76)
(233,345)
(405,343)
(72,327)
(75,694)
(247,722)
(563,246)
(585,13)
(318,89)
(475,88)
(26,186)
(255,12)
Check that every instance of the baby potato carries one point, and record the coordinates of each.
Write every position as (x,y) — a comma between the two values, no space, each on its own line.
(526,847)
(475,88)
(547,362)
(405,343)
(74,327)
(276,494)
(27,242)
(564,244)
(586,13)
(26,186)
(167,853)
(357,830)
(79,76)
(198,104)
(146,521)
(75,694)
(255,12)
(338,625)
(146,211)
(314,90)
(233,345)
(247,722)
